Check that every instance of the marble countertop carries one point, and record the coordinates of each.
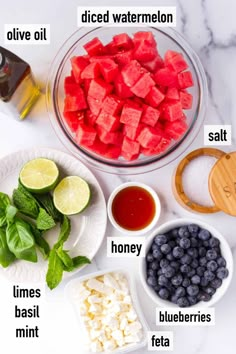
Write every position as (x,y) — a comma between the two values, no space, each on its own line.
(210,28)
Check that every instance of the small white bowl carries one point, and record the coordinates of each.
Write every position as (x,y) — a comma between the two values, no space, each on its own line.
(155,218)
(225,250)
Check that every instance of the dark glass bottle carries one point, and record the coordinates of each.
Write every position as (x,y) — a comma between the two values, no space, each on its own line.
(17,86)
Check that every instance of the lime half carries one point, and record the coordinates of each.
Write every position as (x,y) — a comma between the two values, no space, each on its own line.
(72,195)
(39,175)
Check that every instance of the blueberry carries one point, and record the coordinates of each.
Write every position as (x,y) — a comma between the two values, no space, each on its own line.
(204,282)
(172,243)
(174,233)
(192,300)
(205,244)
(186,234)
(200,271)
(149,257)
(182,230)
(154,246)
(164,263)
(209,276)
(202,251)
(152,281)
(177,280)
(204,235)
(170,257)
(211,255)
(174,299)
(185,243)
(162,280)
(194,242)
(203,296)
(154,265)
(185,268)
(157,288)
(159,272)
(165,249)
(192,290)
(212,266)
(214,242)
(160,240)
(157,254)
(221,262)
(178,252)
(222,273)
(203,261)
(216,283)
(192,252)
(193,228)
(168,271)
(186,282)
(194,264)
(151,272)
(186,259)
(183,302)
(180,292)
(191,273)
(164,293)
(175,265)
(210,291)
(196,280)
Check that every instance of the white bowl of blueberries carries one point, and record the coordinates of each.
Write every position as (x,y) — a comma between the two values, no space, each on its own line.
(187,263)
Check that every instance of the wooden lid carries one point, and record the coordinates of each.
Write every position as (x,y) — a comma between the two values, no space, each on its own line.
(178,188)
(222,183)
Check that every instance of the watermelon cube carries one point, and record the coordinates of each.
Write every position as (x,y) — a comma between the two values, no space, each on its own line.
(169,54)
(150,116)
(154,97)
(142,36)
(144,51)
(94,47)
(108,122)
(172,111)
(166,77)
(112,105)
(71,87)
(132,72)
(131,147)
(113,152)
(109,137)
(176,63)
(143,85)
(161,147)
(186,100)
(132,132)
(185,79)
(94,105)
(98,147)
(172,93)
(72,120)
(154,64)
(99,89)
(75,102)
(121,89)
(122,41)
(91,71)
(131,114)
(90,118)
(78,65)
(148,138)
(174,130)
(123,58)
(108,68)
(85,135)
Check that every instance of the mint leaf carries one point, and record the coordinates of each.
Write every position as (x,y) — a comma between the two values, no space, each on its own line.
(44,221)
(25,202)
(65,231)
(78,262)
(4,202)
(40,241)
(55,270)
(46,202)
(65,258)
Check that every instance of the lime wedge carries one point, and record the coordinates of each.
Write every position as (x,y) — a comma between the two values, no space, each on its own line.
(39,175)
(72,195)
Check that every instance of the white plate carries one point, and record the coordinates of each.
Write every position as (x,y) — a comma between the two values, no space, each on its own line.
(87,229)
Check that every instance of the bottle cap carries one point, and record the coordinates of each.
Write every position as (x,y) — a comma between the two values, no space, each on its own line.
(2,60)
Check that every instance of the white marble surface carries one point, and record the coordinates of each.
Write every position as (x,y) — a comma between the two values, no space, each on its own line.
(210,28)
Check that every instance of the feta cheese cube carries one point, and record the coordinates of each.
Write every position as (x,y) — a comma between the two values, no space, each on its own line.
(109,345)
(117,335)
(96,347)
(97,285)
(131,315)
(95,308)
(94,299)
(110,281)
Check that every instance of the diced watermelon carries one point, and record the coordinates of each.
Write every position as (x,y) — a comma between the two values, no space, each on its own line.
(131,114)
(145,51)
(148,138)
(142,36)
(132,132)
(98,58)
(99,89)
(113,152)
(110,48)
(98,147)
(161,147)
(185,79)
(94,47)
(154,64)
(172,93)
(169,54)
(143,85)
(112,105)
(176,63)
(71,87)
(132,72)
(154,97)
(130,147)
(108,68)
(91,71)
(72,120)
(108,137)
(174,130)
(122,41)
(166,77)
(108,122)
(85,84)
(90,118)
(76,102)
(172,111)
(122,90)
(123,58)
(85,135)
(78,65)
(186,100)
(150,116)
(94,105)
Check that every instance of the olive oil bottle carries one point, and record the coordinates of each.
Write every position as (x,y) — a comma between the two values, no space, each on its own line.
(18,89)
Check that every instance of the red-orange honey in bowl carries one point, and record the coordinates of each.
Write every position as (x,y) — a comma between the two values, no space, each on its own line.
(133,208)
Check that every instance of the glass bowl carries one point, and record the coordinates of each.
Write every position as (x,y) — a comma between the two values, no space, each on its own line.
(60,68)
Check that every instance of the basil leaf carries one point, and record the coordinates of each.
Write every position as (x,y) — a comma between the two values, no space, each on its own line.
(20,240)
(55,270)
(6,257)
(65,231)
(10,213)
(46,202)
(44,221)
(25,202)
(65,258)
(40,241)
(4,202)
(78,262)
